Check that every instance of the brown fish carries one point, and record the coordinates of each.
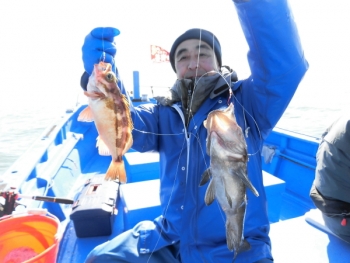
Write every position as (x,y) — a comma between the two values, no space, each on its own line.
(109,109)
(227,149)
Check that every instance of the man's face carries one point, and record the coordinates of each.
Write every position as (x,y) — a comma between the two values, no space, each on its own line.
(194,58)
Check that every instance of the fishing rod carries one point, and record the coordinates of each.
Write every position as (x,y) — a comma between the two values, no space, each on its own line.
(8,200)
(48,199)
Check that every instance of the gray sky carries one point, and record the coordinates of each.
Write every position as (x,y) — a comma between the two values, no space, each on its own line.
(41,40)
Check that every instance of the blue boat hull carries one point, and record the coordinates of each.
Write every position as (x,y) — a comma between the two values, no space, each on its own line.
(60,162)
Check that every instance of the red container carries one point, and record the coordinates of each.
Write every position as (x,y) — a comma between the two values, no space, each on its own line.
(29,238)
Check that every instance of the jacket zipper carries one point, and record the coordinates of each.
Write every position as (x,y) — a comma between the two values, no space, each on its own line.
(177,108)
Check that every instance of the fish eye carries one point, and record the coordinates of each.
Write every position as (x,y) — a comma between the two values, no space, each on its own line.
(110,77)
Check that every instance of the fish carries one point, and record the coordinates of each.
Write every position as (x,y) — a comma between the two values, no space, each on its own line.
(110,111)
(227,173)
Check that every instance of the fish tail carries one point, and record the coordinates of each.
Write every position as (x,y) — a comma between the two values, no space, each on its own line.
(116,171)
(231,238)
(235,242)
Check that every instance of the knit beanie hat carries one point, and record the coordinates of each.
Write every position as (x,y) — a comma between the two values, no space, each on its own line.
(197,33)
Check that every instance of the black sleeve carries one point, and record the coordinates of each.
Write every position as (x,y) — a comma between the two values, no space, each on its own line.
(84,80)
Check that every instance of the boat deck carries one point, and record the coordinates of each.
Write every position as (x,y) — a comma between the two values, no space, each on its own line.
(293,238)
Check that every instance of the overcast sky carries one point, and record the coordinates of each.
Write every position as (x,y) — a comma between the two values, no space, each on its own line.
(41,40)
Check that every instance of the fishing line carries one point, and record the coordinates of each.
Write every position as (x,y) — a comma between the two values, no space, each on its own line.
(236,100)
(243,108)
(177,166)
(159,134)
(103,47)
(229,84)
(196,135)
(170,197)
(103,55)
(244,111)
(103,58)
(207,166)
(199,51)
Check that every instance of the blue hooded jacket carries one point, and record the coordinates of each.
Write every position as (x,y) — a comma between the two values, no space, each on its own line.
(277,65)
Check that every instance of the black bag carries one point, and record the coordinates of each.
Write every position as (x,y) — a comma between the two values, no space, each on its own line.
(329,206)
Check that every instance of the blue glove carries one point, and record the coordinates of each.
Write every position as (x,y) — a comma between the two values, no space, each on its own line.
(99,46)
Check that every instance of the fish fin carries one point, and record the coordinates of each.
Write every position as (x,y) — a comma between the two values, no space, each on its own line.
(231,238)
(125,101)
(210,193)
(255,192)
(250,186)
(205,177)
(128,144)
(243,176)
(102,147)
(127,105)
(245,246)
(229,199)
(86,115)
(116,171)
(233,242)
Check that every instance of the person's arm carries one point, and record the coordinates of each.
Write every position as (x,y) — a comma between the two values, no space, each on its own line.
(332,174)
(275,56)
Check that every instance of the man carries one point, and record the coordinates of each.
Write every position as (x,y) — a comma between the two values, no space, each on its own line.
(330,191)
(188,230)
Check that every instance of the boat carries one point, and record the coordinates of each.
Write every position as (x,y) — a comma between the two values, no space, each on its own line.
(63,166)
